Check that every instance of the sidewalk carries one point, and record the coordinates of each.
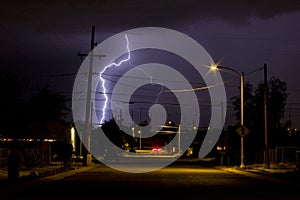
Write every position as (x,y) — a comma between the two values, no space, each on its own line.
(261,168)
(273,168)
(287,174)
(52,169)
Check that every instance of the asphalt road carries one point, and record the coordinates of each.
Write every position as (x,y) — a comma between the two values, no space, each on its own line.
(177,181)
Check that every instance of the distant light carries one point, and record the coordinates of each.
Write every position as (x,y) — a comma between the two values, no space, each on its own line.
(6,139)
(49,140)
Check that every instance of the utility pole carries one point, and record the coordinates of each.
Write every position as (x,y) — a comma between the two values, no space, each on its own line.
(179,135)
(242,122)
(267,162)
(89,103)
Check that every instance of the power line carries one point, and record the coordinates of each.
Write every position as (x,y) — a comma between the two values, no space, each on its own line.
(254,71)
(249,38)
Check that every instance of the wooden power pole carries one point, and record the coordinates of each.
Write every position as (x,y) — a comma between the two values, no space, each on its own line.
(89,103)
(266,96)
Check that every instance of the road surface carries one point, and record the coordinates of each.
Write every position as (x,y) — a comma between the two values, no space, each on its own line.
(177,181)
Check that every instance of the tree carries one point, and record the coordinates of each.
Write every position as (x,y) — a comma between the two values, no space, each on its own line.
(249,105)
(38,115)
(11,104)
(254,112)
(46,111)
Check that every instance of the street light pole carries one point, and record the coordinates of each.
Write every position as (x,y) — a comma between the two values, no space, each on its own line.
(242,121)
(89,102)
(140,132)
(242,127)
(179,133)
(88,110)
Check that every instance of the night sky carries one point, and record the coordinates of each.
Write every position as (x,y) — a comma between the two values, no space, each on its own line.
(40,39)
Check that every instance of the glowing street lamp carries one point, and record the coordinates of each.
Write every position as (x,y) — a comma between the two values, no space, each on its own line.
(73,137)
(242,130)
(132,129)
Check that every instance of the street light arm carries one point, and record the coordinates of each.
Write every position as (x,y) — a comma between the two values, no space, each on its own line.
(228,68)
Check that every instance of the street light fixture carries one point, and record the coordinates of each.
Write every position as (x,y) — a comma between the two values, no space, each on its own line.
(73,137)
(242,130)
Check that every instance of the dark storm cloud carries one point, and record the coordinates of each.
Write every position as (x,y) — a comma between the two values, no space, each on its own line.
(41,38)
(68,15)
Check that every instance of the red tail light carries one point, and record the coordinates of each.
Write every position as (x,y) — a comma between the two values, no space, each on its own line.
(156,149)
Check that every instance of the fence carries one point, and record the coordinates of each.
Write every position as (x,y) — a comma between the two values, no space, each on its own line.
(285,155)
(29,157)
(281,156)
(3,157)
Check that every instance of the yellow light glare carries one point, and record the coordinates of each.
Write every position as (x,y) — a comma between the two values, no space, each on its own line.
(214,67)
(73,137)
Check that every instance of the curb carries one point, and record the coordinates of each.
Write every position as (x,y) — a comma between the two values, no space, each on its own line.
(62,175)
